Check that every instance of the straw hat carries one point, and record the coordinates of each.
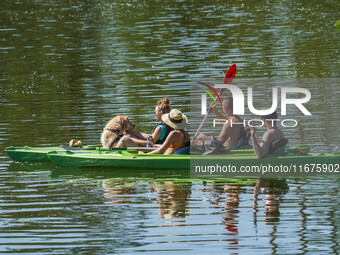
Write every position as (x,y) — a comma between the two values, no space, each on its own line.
(175,119)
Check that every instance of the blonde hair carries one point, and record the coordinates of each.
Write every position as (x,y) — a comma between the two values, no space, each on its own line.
(164,105)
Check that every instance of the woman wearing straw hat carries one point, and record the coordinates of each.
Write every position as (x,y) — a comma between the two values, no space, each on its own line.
(178,138)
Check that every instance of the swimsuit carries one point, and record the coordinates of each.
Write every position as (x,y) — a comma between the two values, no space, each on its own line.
(177,145)
(165,130)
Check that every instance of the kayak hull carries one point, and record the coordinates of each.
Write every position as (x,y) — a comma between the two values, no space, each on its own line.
(118,159)
(39,154)
(33,154)
(125,159)
(131,158)
(30,154)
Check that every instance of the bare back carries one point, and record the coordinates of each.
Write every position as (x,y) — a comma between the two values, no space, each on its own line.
(180,138)
(230,133)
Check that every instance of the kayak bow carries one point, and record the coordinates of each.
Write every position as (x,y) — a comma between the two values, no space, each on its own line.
(39,154)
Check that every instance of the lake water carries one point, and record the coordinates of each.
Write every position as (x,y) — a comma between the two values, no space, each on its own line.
(67,67)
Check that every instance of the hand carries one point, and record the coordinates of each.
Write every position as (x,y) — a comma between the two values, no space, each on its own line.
(252,130)
(212,106)
(150,141)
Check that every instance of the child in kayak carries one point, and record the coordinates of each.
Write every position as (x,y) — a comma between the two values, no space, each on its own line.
(158,134)
(178,138)
(263,146)
(230,134)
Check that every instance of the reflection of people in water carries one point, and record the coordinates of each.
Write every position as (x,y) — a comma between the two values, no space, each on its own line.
(229,194)
(115,189)
(232,211)
(172,199)
(272,190)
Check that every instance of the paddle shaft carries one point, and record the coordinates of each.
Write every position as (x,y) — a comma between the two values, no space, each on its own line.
(229,76)
(205,117)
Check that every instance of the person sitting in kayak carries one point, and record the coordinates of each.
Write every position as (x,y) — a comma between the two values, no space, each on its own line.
(159,132)
(263,146)
(178,138)
(230,134)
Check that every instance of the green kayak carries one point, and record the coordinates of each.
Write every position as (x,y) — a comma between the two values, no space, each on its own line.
(91,156)
(33,154)
(29,154)
(39,154)
(130,159)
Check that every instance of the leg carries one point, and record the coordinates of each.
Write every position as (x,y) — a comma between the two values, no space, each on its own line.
(199,140)
(138,135)
(183,151)
(126,141)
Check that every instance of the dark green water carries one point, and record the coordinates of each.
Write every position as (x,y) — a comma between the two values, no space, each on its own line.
(67,67)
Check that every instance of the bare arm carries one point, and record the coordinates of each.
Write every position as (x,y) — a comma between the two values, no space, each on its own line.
(212,106)
(156,134)
(141,141)
(225,133)
(261,150)
(172,137)
(258,139)
(138,135)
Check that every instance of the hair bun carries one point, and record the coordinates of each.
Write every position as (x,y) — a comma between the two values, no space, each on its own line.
(164,105)
(165,100)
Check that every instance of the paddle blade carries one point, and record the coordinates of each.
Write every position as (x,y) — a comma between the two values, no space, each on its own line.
(213,90)
(229,76)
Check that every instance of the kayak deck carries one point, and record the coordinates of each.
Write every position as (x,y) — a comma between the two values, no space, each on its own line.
(29,154)
(39,154)
(32,154)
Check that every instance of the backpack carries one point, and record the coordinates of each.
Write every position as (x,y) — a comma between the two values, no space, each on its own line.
(244,137)
(278,146)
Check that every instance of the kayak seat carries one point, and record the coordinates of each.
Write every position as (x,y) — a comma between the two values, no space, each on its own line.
(278,146)
(280,150)
(244,138)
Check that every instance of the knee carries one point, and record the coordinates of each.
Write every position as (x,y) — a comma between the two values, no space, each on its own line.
(125,138)
(122,141)
(203,137)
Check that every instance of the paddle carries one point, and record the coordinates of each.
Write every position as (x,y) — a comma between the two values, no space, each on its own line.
(228,78)
(69,148)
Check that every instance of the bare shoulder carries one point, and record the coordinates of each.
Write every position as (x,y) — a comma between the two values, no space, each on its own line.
(236,118)
(237,123)
(273,134)
(186,136)
(173,134)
